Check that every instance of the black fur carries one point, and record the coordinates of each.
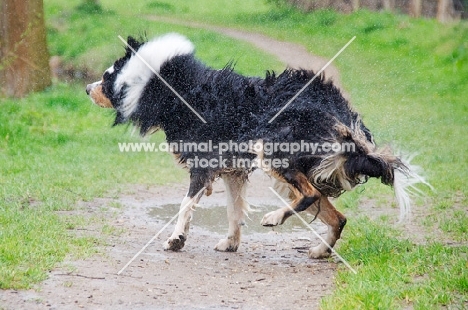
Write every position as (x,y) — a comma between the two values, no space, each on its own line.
(238,108)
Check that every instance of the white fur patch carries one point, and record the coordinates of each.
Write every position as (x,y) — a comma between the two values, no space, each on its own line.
(331,169)
(136,74)
(110,70)
(237,209)
(404,185)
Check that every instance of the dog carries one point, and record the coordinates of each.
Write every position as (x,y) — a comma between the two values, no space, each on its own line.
(160,85)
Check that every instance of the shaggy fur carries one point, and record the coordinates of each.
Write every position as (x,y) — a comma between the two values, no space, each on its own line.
(238,108)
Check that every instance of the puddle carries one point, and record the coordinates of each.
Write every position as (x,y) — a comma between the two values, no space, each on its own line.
(214,219)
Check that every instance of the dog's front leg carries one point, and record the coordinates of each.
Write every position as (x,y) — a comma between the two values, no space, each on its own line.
(236,185)
(198,185)
(178,237)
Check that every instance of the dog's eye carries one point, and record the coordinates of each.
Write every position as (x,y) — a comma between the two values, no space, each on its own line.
(105,83)
(107,87)
(106,76)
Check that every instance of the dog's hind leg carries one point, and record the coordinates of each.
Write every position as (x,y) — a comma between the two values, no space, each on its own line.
(305,195)
(199,183)
(335,222)
(237,207)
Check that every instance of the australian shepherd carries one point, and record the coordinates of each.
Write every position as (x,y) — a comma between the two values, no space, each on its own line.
(159,84)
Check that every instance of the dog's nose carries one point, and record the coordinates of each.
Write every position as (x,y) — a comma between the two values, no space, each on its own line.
(89,87)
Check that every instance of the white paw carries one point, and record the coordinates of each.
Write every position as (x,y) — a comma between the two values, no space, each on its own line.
(273,218)
(174,244)
(227,245)
(319,251)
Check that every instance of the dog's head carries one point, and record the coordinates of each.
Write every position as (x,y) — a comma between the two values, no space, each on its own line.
(104,93)
(122,85)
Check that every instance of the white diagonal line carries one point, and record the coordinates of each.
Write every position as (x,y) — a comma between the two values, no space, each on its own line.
(313,230)
(160,231)
(163,80)
(308,83)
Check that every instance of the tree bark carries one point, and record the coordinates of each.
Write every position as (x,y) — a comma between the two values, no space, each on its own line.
(355,5)
(445,11)
(389,5)
(415,8)
(24,58)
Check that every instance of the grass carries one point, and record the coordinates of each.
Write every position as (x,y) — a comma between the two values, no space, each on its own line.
(394,273)
(102,48)
(406,76)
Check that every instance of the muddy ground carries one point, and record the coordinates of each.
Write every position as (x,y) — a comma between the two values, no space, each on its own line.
(270,270)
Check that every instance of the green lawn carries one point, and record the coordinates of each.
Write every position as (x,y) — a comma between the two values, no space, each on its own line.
(408,78)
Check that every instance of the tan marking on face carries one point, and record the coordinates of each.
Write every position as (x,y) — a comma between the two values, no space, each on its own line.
(99,98)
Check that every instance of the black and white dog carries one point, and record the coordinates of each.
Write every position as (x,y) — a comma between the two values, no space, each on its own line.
(235,110)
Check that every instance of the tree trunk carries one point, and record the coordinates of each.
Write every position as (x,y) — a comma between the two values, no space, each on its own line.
(415,8)
(355,5)
(24,59)
(389,5)
(445,11)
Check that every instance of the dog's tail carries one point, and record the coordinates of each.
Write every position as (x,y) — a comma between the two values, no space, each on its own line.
(345,170)
(392,170)
(404,184)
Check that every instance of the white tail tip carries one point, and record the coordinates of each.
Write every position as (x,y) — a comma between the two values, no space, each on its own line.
(404,184)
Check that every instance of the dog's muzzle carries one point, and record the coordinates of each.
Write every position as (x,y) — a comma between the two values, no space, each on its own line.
(90,87)
(94,92)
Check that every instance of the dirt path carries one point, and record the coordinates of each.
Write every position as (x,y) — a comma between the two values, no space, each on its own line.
(270,271)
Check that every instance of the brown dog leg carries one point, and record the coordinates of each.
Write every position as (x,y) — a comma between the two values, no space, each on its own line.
(335,222)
